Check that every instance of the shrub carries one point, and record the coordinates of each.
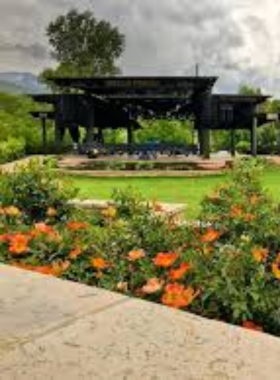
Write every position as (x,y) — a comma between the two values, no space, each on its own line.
(36,190)
(225,266)
(237,269)
(11,149)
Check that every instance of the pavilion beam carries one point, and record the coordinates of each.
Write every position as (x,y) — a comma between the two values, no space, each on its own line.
(254,140)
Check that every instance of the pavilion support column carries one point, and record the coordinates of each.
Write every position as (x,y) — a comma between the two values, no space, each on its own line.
(58,135)
(90,128)
(254,141)
(204,122)
(100,136)
(232,142)
(44,134)
(130,136)
(204,143)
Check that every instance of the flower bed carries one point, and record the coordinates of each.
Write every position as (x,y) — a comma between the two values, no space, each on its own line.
(226,267)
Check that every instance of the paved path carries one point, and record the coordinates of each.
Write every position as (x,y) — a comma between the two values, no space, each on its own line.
(141,173)
(56,330)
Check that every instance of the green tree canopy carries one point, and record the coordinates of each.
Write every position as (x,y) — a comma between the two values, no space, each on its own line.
(83,46)
(246,89)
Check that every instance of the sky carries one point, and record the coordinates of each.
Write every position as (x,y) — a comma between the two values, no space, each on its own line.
(236,40)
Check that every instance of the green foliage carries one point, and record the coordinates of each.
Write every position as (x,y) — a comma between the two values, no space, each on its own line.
(83,46)
(224,266)
(35,188)
(11,149)
(17,123)
(174,131)
(246,89)
(235,272)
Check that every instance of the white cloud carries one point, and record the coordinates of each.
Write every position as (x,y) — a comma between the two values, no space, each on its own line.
(237,40)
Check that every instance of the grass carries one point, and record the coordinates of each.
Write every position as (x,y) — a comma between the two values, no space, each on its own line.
(190,191)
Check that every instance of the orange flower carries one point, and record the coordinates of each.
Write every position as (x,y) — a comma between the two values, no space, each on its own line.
(75,253)
(177,296)
(251,326)
(109,212)
(165,260)
(19,244)
(177,274)
(275,267)
(153,285)
(51,212)
(249,217)
(210,236)
(44,269)
(5,238)
(157,207)
(59,268)
(99,263)
(260,254)
(236,212)
(44,229)
(254,199)
(136,255)
(207,250)
(76,226)
(12,211)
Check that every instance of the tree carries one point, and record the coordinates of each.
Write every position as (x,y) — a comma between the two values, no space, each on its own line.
(246,89)
(83,46)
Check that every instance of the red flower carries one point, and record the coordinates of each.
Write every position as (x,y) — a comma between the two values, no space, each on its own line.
(99,263)
(236,212)
(165,260)
(210,236)
(56,269)
(260,254)
(136,255)
(19,244)
(251,326)
(153,285)
(44,228)
(75,253)
(275,267)
(5,238)
(177,296)
(177,274)
(76,226)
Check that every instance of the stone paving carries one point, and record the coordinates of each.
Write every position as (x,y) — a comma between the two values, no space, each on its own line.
(175,211)
(55,330)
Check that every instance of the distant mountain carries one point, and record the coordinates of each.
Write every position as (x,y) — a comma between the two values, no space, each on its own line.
(23,83)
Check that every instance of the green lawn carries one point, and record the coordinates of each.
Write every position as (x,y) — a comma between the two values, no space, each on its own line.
(174,190)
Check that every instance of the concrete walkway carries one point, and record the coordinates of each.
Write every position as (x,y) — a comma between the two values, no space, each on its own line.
(55,330)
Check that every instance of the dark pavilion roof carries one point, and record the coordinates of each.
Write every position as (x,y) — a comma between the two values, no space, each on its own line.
(122,100)
(240,99)
(158,87)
